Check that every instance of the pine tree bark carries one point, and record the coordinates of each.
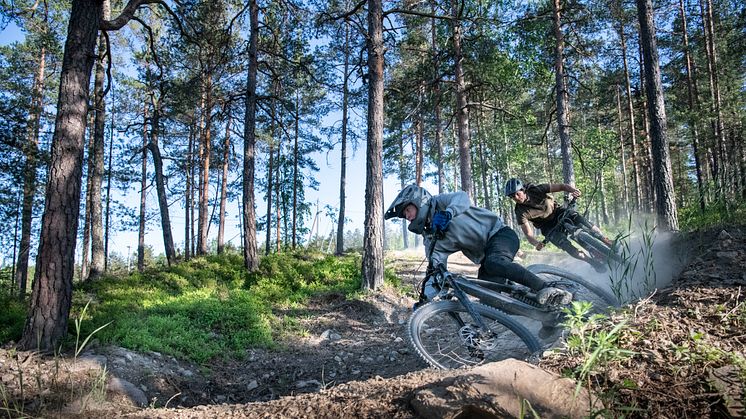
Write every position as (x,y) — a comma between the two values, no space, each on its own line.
(51,298)
(143,193)
(631,114)
(271,169)
(563,105)
(372,265)
(661,162)
(250,254)
(622,153)
(188,182)
(29,180)
(343,154)
(97,174)
(438,134)
(205,153)
(224,184)
(648,188)
(419,160)
(719,168)
(462,108)
(296,177)
(160,184)
(86,247)
(693,105)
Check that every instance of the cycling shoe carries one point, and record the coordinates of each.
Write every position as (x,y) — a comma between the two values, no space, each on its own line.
(553,296)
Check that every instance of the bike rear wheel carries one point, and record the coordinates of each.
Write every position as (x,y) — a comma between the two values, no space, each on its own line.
(581,289)
(445,335)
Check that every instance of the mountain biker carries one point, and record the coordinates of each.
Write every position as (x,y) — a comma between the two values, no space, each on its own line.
(533,203)
(477,232)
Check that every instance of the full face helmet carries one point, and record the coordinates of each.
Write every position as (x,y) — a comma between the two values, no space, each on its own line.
(417,196)
(512,186)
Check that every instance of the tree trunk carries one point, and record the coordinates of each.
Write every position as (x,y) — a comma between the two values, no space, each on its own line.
(29,179)
(51,298)
(462,109)
(107,211)
(402,182)
(563,106)
(97,175)
(271,168)
(205,152)
(419,159)
(279,201)
(251,258)
(622,154)
(717,120)
(84,264)
(372,266)
(664,191)
(648,190)
(631,113)
(224,184)
(438,140)
(188,182)
(693,105)
(483,162)
(168,241)
(143,193)
(296,176)
(343,157)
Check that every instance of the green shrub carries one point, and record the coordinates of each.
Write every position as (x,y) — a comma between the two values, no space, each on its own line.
(209,307)
(12,318)
(691,217)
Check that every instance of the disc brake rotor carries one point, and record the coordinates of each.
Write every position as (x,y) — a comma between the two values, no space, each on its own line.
(473,338)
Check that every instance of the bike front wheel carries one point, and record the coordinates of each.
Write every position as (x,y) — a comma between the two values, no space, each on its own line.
(446,336)
(596,246)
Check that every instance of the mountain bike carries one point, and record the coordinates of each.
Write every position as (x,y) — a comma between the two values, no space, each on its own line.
(466,321)
(592,242)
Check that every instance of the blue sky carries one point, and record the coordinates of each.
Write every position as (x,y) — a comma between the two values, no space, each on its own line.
(125,242)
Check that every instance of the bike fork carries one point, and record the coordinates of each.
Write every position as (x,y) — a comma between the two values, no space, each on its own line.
(461,296)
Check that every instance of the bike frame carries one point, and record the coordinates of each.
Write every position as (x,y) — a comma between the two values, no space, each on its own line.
(489,293)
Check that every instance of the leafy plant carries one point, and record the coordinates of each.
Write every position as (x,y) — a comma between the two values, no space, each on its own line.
(588,339)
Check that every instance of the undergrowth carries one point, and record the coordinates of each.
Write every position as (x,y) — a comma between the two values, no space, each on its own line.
(202,309)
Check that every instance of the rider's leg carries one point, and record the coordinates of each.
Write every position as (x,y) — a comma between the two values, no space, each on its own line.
(580,221)
(498,261)
(563,243)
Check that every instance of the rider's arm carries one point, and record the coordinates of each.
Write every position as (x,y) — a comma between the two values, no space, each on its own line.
(563,187)
(528,231)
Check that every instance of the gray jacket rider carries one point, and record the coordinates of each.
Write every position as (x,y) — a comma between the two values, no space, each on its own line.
(468,231)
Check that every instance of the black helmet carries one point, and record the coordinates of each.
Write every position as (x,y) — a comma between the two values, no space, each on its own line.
(412,194)
(512,186)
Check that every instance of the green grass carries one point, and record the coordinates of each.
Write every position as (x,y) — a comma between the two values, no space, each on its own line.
(718,213)
(206,308)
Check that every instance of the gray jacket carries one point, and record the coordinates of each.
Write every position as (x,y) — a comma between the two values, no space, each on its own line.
(469,230)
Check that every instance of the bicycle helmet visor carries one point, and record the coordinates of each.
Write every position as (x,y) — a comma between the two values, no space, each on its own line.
(412,194)
(512,186)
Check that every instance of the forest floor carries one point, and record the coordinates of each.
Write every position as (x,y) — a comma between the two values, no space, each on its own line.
(354,359)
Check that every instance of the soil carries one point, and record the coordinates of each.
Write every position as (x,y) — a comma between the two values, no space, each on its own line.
(355,360)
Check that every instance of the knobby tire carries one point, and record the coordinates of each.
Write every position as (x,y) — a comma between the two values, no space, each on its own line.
(587,240)
(436,331)
(581,288)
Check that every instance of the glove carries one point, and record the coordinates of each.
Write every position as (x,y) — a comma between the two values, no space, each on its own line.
(441,220)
